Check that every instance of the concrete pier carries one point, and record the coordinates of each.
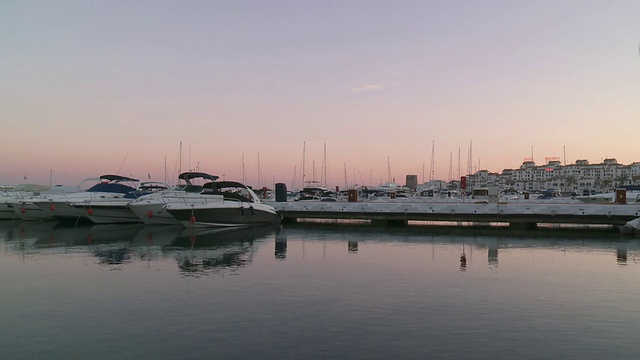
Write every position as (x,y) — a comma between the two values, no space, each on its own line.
(522,215)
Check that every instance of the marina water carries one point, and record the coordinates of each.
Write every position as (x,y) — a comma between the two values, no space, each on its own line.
(317,291)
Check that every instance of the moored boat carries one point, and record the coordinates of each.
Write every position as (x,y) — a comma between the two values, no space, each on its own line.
(235,204)
(75,207)
(151,209)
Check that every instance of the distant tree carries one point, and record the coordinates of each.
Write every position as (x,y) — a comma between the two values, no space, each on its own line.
(621,179)
(635,179)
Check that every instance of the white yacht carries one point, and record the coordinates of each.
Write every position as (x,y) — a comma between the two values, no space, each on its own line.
(150,209)
(223,204)
(74,207)
(116,210)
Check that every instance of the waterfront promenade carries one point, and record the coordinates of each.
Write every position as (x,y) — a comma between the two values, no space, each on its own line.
(519,214)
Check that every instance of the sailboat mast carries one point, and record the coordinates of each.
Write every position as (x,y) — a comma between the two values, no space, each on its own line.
(450,166)
(388,171)
(244,174)
(259,172)
(304,158)
(432,170)
(345,176)
(293,181)
(324,165)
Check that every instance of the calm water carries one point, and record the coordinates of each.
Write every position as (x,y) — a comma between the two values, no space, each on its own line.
(316,292)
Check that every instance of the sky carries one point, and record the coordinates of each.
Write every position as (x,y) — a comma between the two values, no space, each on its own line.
(256,91)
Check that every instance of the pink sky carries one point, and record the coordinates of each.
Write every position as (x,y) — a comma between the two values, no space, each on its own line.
(97,88)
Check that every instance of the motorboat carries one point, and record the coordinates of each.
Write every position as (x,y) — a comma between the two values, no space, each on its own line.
(151,209)
(116,210)
(24,207)
(75,207)
(11,197)
(223,204)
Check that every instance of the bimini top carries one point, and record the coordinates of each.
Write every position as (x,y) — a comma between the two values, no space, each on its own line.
(187,176)
(116,178)
(113,184)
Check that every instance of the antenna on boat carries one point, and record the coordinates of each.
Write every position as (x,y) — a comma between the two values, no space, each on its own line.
(123,160)
(50,176)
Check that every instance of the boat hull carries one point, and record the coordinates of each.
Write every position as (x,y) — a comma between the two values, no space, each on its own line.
(112,214)
(153,213)
(232,215)
(63,211)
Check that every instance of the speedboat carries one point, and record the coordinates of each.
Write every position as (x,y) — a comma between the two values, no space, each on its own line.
(223,204)
(75,207)
(116,210)
(23,205)
(151,209)
(11,197)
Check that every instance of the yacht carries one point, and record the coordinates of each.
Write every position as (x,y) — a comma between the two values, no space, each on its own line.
(150,209)
(116,210)
(74,207)
(223,204)
(12,196)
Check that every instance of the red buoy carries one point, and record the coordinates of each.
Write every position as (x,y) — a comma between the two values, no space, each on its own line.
(90,211)
(193,219)
(150,214)
(22,209)
(52,206)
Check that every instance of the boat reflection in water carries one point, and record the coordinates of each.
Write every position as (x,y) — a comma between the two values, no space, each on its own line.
(197,251)
(203,251)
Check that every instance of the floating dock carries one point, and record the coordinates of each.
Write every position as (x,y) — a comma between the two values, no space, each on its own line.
(521,215)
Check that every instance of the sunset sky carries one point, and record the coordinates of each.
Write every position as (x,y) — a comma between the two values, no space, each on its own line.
(97,87)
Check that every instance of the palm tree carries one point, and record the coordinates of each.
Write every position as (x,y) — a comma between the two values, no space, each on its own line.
(621,179)
(570,180)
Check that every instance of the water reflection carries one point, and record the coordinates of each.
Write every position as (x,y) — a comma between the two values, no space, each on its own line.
(281,245)
(197,252)
(489,241)
(352,246)
(492,252)
(463,259)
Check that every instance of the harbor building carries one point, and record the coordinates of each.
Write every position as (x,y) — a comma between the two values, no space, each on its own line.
(578,177)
